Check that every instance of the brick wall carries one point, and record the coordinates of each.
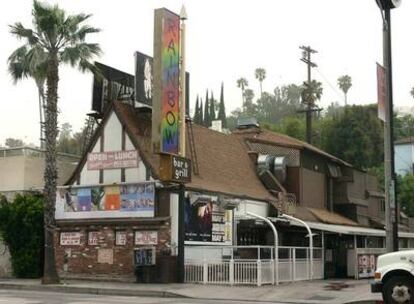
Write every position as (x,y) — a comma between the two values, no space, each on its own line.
(83,259)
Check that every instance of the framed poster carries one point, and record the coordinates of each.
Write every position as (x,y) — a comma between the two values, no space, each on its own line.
(70,238)
(120,238)
(146,237)
(93,237)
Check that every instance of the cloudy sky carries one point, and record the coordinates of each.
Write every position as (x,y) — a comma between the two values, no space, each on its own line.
(225,40)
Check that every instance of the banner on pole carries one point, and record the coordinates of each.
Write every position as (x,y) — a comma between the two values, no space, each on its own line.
(382,91)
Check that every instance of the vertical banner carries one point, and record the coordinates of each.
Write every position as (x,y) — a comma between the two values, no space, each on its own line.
(165,112)
(382,91)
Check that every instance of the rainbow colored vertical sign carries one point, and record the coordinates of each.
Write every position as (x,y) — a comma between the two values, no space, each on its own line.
(170,82)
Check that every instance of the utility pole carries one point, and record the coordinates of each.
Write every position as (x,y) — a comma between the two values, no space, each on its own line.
(391,208)
(307,52)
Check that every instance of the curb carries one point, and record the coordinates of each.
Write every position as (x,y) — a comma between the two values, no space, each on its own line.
(93,290)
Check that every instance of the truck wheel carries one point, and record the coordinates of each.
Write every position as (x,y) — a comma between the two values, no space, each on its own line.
(399,289)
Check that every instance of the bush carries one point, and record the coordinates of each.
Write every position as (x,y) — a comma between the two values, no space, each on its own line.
(21,226)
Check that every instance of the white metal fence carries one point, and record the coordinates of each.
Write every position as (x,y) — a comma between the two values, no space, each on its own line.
(251,265)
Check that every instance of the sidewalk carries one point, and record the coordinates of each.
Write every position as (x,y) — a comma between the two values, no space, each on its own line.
(320,291)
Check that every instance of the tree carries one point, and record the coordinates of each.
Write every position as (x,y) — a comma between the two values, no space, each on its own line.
(68,142)
(250,108)
(206,120)
(345,83)
(311,92)
(212,111)
(260,75)
(196,117)
(406,194)
(412,92)
(56,38)
(242,83)
(222,108)
(13,142)
(200,110)
(19,68)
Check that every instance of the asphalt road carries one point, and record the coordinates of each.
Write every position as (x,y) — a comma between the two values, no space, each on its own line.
(8,296)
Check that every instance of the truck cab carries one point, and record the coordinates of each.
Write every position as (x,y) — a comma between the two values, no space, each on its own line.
(394,277)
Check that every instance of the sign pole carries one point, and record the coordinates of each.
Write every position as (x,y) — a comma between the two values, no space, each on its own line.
(183,17)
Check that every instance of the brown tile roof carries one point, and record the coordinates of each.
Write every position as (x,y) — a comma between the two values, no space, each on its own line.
(265,136)
(224,165)
(323,216)
(406,140)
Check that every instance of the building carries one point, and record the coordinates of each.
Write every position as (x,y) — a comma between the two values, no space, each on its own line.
(117,218)
(21,169)
(404,156)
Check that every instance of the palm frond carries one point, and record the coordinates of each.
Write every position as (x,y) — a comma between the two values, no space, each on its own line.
(81,51)
(21,32)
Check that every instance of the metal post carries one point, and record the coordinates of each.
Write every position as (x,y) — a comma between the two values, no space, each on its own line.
(181,235)
(391,212)
(310,239)
(276,238)
(183,17)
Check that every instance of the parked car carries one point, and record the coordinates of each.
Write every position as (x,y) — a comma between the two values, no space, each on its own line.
(394,277)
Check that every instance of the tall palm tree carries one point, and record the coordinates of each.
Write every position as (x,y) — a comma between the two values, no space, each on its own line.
(19,68)
(412,92)
(345,83)
(260,75)
(242,83)
(56,38)
(311,92)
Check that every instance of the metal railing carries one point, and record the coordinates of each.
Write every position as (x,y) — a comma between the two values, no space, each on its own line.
(250,265)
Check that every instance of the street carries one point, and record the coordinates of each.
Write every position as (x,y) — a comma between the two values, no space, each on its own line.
(39,297)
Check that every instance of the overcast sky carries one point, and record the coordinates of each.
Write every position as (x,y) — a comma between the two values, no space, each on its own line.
(225,40)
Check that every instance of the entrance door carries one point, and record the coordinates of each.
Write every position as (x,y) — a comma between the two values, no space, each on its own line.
(336,255)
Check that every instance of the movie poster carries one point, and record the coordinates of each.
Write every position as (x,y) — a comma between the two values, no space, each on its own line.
(206,221)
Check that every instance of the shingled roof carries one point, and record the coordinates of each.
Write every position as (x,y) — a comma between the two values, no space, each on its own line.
(224,165)
(272,138)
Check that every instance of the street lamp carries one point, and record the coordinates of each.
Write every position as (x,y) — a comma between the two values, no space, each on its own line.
(391,208)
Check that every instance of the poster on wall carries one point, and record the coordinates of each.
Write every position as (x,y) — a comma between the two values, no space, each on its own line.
(112,201)
(70,238)
(206,221)
(146,237)
(366,265)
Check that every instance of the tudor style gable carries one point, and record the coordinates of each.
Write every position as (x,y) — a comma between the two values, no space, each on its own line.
(106,160)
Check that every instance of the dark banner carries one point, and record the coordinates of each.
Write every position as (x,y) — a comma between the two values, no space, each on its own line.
(205,221)
(143,78)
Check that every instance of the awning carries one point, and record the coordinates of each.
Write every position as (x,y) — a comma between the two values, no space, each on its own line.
(351,230)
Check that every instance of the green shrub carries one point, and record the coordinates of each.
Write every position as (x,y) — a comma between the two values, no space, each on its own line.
(21,226)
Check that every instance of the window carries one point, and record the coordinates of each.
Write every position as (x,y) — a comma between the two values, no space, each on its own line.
(93,238)
(120,238)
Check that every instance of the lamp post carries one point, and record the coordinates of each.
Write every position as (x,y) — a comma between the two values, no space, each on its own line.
(391,208)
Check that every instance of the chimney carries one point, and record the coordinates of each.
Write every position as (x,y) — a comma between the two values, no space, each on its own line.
(253,156)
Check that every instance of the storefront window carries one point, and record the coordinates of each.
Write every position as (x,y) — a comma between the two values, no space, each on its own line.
(361,241)
(375,242)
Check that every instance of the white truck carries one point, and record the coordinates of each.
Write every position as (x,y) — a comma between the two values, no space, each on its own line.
(394,277)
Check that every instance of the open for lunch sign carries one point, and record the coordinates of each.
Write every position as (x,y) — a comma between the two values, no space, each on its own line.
(113,160)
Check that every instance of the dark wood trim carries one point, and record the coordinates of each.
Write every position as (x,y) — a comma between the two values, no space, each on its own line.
(113,221)
(123,145)
(102,149)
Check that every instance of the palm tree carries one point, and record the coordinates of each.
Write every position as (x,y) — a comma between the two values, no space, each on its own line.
(260,75)
(311,92)
(412,92)
(56,38)
(345,83)
(19,69)
(242,83)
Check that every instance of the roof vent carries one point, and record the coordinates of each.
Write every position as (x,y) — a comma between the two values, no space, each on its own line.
(247,122)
